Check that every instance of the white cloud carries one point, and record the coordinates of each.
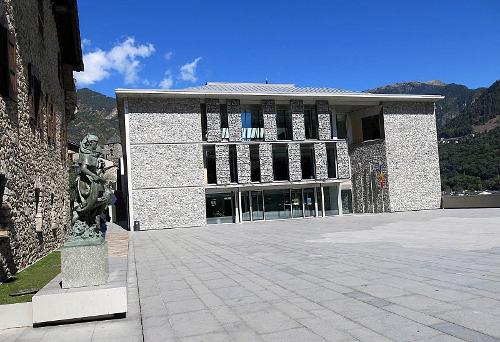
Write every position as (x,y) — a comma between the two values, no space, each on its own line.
(168,55)
(167,82)
(188,71)
(85,43)
(122,58)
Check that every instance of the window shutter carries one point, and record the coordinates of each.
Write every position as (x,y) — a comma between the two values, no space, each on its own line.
(4,66)
(11,47)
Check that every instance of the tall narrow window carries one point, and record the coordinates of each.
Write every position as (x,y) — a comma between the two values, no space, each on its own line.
(331,156)
(233,164)
(252,123)
(311,122)
(209,164)
(341,126)
(254,163)
(280,162)
(8,80)
(331,200)
(203,110)
(284,123)
(307,161)
(224,122)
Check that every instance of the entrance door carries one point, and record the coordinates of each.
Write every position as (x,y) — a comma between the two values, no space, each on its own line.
(309,203)
(297,210)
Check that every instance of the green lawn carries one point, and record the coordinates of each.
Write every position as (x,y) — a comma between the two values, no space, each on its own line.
(36,276)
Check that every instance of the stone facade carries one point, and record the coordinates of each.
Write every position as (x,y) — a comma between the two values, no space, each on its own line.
(294,167)
(343,167)
(213,120)
(266,163)
(321,161)
(368,194)
(234,120)
(297,111)
(269,114)
(412,156)
(222,164)
(243,161)
(35,206)
(324,126)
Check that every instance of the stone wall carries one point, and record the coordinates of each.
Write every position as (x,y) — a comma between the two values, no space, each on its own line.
(343,167)
(297,111)
(412,156)
(28,160)
(294,167)
(269,113)
(266,163)
(234,120)
(368,194)
(324,126)
(243,161)
(213,120)
(222,164)
(320,160)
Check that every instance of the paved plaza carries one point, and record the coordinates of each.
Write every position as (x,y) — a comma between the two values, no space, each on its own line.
(428,275)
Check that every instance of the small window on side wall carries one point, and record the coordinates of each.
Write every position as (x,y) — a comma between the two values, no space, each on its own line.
(8,79)
(371,126)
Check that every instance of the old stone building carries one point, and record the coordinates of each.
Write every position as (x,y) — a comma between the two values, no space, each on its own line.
(39,49)
(236,152)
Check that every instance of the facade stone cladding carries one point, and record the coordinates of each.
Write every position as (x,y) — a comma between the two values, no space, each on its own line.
(213,120)
(27,160)
(343,167)
(269,114)
(412,156)
(320,160)
(324,126)
(297,110)
(222,163)
(169,207)
(266,163)
(166,162)
(243,162)
(234,120)
(294,167)
(368,195)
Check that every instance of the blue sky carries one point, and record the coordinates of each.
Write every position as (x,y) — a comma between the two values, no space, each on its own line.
(353,45)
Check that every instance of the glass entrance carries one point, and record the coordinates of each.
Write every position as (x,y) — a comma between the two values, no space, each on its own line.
(220,208)
(309,203)
(257,206)
(297,203)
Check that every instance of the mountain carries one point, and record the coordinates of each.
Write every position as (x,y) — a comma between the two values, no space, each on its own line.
(96,114)
(457,98)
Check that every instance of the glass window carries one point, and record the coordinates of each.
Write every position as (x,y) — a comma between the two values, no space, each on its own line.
(254,163)
(219,208)
(252,123)
(245,206)
(311,122)
(320,202)
(233,164)
(331,200)
(331,156)
(224,122)
(277,204)
(203,122)
(307,161)
(297,203)
(209,164)
(280,162)
(309,203)
(341,126)
(257,206)
(346,197)
(371,127)
(284,123)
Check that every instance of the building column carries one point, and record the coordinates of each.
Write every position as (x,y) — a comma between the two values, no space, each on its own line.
(269,114)
(222,164)
(234,119)
(324,126)
(294,166)
(343,167)
(243,161)
(316,202)
(266,163)
(213,120)
(297,111)
(320,160)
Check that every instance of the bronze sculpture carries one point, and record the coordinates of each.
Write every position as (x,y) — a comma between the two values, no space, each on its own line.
(93,194)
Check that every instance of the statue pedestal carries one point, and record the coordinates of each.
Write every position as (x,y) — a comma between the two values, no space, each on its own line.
(84,265)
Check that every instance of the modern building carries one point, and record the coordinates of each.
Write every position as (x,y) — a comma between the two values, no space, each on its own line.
(239,152)
(39,50)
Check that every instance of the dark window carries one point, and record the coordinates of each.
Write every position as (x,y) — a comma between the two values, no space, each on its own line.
(257,205)
(252,123)
(341,126)
(284,123)
(371,127)
(331,156)
(277,204)
(331,200)
(280,162)
(203,110)
(311,122)
(254,163)
(296,201)
(209,164)
(307,161)
(220,208)
(233,164)
(224,122)
(8,81)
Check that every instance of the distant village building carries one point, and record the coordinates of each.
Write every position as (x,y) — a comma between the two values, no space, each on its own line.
(243,152)
(39,50)
(112,149)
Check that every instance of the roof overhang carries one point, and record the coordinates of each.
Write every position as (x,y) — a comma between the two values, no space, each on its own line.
(68,32)
(340,97)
